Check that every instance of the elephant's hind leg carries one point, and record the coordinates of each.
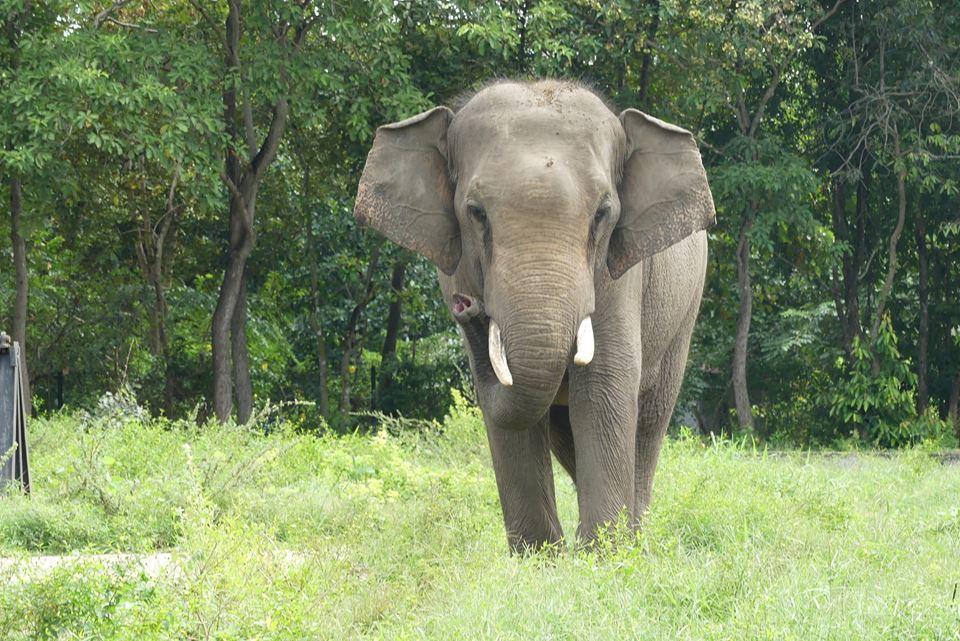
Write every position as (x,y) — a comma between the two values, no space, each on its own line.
(655,407)
(561,439)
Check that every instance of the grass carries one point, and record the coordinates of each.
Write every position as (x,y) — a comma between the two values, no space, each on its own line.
(294,536)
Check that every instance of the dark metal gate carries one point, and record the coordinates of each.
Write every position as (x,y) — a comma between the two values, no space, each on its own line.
(13,421)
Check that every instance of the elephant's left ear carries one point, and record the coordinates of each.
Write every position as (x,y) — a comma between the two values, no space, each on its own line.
(664,195)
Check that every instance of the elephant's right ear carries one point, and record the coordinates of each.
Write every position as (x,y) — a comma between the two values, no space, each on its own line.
(405,192)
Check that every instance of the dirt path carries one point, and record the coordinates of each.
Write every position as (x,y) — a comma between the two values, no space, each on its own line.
(25,568)
(850,458)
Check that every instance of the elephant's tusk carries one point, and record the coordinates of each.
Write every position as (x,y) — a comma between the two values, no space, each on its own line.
(497,358)
(584,343)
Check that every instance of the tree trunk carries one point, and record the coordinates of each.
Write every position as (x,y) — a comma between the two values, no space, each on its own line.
(887,287)
(841,233)
(241,242)
(360,338)
(324,370)
(151,304)
(163,348)
(315,315)
(241,245)
(651,35)
(161,304)
(350,335)
(520,61)
(152,256)
(243,387)
(346,380)
(953,407)
(852,284)
(739,379)
(12,25)
(388,353)
(923,299)
(169,385)
(847,302)
(19,331)
(242,179)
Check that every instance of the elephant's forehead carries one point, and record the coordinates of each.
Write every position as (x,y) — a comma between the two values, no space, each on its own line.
(547,116)
(549,96)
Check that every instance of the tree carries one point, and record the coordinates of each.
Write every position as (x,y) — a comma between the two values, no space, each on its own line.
(744,51)
(274,36)
(898,67)
(20,22)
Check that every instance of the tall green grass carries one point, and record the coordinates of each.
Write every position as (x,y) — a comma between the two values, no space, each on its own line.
(297,536)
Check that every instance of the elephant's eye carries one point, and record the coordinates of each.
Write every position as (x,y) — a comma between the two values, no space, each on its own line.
(476,212)
(603,211)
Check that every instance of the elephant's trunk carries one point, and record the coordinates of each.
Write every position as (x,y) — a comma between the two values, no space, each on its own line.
(534,321)
(498,357)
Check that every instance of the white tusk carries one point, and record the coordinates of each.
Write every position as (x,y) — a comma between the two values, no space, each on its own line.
(584,343)
(497,357)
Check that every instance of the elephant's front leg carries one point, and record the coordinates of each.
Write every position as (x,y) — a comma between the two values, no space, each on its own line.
(521,462)
(521,459)
(603,417)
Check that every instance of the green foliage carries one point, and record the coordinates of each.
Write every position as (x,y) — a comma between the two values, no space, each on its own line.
(422,383)
(876,395)
(111,116)
(399,535)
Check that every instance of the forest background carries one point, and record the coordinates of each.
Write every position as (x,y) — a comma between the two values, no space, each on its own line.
(178,180)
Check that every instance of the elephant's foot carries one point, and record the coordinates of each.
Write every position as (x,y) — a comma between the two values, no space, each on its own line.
(550,541)
(607,532)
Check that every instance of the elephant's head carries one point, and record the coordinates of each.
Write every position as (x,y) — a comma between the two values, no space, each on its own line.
(532,196)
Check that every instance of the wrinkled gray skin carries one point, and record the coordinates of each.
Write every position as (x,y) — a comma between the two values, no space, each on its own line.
(541,207)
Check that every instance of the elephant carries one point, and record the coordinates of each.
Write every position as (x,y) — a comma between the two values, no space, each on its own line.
(571,251)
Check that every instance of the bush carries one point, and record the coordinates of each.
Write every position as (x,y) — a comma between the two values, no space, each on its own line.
(877,396)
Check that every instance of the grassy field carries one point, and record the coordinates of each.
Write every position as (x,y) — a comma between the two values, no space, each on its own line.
(293,536)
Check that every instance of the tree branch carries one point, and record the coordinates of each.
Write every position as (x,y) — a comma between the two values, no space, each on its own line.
(767,95)
(272,142)
(166,221)
(826,16)
(105,14)
(238,197)
(892,249)
(206,16)
(779,71)
(130,25)
(248,129)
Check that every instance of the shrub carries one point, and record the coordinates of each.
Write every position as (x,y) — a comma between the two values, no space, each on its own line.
(877,396)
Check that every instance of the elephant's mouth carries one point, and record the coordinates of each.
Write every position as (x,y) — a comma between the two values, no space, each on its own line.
(467,309)
(462,303)
(475,323)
